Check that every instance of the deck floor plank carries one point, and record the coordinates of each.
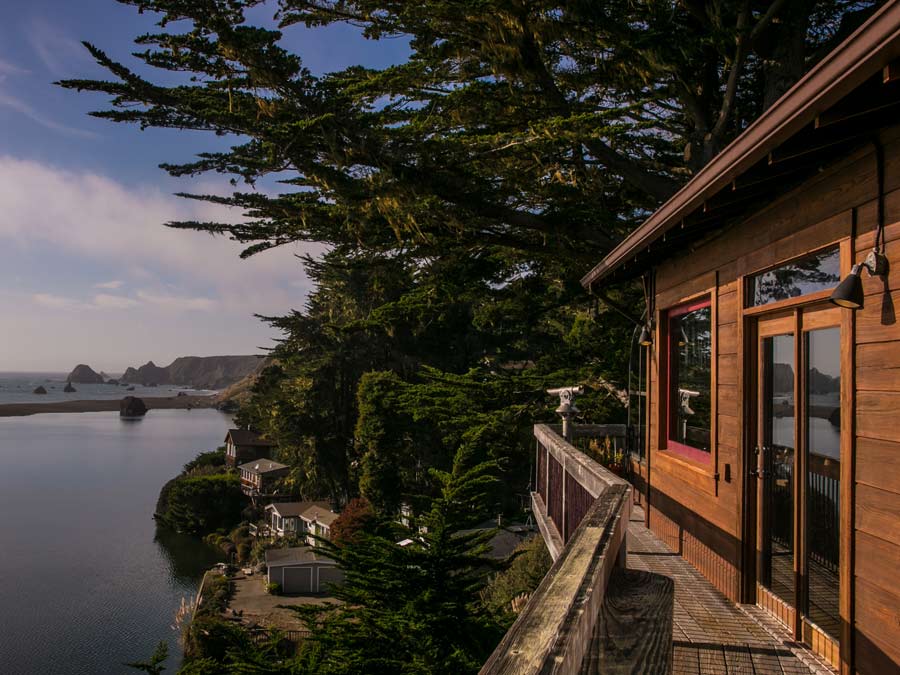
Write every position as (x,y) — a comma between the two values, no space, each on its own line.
(710,634)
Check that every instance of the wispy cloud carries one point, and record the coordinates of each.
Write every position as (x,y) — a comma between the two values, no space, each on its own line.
(20,106)
(56,301)
(101,301)
(7,68)
(107,301)
(60,52)
(179,303)
(102,224)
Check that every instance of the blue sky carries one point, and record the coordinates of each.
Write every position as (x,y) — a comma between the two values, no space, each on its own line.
(87,272)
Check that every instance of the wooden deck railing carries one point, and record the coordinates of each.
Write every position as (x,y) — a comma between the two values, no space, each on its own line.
(582,511)
(567,481)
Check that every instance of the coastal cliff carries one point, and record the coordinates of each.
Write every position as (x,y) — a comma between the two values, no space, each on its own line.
(198,372)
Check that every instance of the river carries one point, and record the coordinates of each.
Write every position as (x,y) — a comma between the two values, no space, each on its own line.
(86,580)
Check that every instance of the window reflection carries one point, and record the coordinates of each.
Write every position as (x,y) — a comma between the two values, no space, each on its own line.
(815,272)
(823,484)
(690,370)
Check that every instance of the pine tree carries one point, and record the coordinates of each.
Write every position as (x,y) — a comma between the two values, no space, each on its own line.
(413,608)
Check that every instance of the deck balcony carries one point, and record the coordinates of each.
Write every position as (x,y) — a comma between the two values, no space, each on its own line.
(617,599)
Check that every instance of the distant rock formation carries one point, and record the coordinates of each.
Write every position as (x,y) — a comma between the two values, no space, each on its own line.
(83,374)
(147,374)
(39,390)
(69,389)
(132,406)
(112,381)
(197,372)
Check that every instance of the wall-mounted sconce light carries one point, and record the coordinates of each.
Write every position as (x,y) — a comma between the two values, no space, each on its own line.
(646,337)
(849,292)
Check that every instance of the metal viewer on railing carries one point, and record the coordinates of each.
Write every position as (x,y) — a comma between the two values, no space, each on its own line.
(567,409)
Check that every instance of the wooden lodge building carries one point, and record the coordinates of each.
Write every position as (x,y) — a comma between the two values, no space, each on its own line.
(243,445)
(767,444)
(764,427)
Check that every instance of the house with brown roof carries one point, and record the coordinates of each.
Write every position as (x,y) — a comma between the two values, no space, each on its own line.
(243,445)
(262,479)
(317,522)
(284,519)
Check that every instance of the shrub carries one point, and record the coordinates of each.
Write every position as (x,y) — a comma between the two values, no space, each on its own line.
(211,459)
(530,562)
(358,516)
(274,588)
(201,504)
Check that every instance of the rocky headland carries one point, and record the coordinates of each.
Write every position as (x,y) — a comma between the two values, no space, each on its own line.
(84,374)
(197,372)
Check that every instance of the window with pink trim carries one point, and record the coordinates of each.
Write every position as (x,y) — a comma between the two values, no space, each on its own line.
(689,408)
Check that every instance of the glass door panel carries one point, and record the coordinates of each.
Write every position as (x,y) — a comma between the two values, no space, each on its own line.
(776,467)
(823,477)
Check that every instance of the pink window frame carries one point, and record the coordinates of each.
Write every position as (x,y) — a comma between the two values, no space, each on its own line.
(689,451)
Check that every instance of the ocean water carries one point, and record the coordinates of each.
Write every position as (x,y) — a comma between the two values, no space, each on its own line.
(19,388)
(87,582)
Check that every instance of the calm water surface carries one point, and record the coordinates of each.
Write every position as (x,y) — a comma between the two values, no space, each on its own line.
(86,581)
(19,388)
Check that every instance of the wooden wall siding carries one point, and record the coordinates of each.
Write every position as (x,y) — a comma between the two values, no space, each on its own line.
(838,205)
(876,610)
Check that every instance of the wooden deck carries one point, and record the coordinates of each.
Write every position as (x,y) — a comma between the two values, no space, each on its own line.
(710,634)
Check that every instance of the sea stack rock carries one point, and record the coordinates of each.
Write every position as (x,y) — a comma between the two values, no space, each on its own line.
(69,389)
(148,374)
(83,374)
(39,390)
(131,406)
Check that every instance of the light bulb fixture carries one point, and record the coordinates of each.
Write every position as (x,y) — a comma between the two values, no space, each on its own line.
(646,337)
(849,293)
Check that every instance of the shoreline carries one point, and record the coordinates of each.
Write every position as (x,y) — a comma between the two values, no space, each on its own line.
(107,405)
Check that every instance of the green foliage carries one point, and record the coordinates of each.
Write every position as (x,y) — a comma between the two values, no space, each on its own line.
(201,504)
(273,588)
(238,541)
(153,666)
(412,609)
(529,563)
(217,591)
(214,459)
(211,637)
(461,194)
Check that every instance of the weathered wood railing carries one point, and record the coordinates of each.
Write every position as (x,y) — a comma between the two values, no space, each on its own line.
(567,481)
(582,511)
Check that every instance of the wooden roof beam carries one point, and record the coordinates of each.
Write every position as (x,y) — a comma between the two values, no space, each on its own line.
(891,72)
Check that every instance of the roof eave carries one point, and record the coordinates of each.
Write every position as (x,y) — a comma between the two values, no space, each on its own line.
(871,47)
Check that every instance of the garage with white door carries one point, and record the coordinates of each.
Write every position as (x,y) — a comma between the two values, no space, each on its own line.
(302,570)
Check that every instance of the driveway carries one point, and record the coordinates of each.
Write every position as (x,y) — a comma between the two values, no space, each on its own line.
(261,608)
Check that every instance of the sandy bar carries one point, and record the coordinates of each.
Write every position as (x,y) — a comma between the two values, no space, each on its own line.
(152,403)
